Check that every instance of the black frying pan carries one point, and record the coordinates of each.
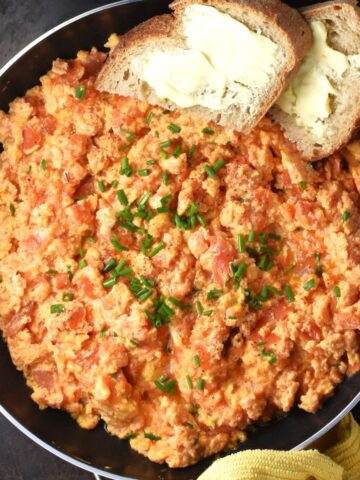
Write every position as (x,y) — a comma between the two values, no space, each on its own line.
(96,450)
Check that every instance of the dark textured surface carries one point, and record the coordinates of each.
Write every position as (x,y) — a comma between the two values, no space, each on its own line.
(21,22)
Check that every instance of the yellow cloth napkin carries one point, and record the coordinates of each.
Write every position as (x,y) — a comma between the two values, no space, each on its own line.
(339,462)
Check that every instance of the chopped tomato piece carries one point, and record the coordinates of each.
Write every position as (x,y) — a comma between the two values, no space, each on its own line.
(77,318)
(61,280)
(224,254)
(87,287)
(31,138)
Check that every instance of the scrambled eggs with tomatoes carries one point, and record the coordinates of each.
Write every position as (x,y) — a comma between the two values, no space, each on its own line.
(174,278)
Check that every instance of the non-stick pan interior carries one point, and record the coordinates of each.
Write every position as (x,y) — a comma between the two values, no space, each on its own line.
(97,448)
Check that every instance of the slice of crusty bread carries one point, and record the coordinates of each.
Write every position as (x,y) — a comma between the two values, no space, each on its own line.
(342,19)
(275,20)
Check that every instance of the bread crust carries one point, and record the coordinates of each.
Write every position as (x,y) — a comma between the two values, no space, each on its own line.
(288,24)
(321,11)
(155,27)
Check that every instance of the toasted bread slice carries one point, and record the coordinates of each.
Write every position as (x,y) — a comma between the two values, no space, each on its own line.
(280,38)
(331,117)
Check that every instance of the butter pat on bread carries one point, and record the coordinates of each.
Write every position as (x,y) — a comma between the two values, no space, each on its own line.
(320,109)
(224,60)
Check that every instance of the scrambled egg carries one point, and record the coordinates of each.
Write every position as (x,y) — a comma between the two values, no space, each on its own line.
(174,278)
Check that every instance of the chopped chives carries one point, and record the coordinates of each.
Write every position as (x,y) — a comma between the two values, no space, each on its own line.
(144,172)
(80,92)
(124,147)
(150,436)
(218,164)
(309,285)
(208,313)
(177,151)
(177,303)
(134,342)
(124,272)
(57,308)
(164,154)
(252,236)
(270,355)
(264,295)
(12,209)
(145,244)
(103,332)
(43,164)
(121,264)
(200,384)
(68,297)
(263,238)
(208,131)
(144,199)
(166,199)
(116,244)
(83,263)
(101,186)
(109,265)
(189,381)
(241,270)
(199,307)
(149,117)
(193,208)
(165,177)
(210,171)
(174,128)
(51,271)
(144,294)
(165,144)
(302,185)
(69,272)
(275,291)
(191,151)
(214,294)
(346,215)
(197,360)
(149,215)
(152,161)
(289,293)
(263,262)
(241,243)
(157,249)
(122,197)
(125,167)
(149,282)
(337,291)
(166,385)
(109,282)
(201,219)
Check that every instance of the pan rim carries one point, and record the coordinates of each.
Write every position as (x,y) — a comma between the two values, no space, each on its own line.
(51,449)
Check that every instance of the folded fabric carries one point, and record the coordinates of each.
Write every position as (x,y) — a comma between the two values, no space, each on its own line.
(339,462)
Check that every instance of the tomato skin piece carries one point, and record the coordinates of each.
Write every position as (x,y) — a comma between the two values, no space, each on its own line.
(61,280)
(271,316)
(224,254)
(77,318)
(31,139)
(87,288)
